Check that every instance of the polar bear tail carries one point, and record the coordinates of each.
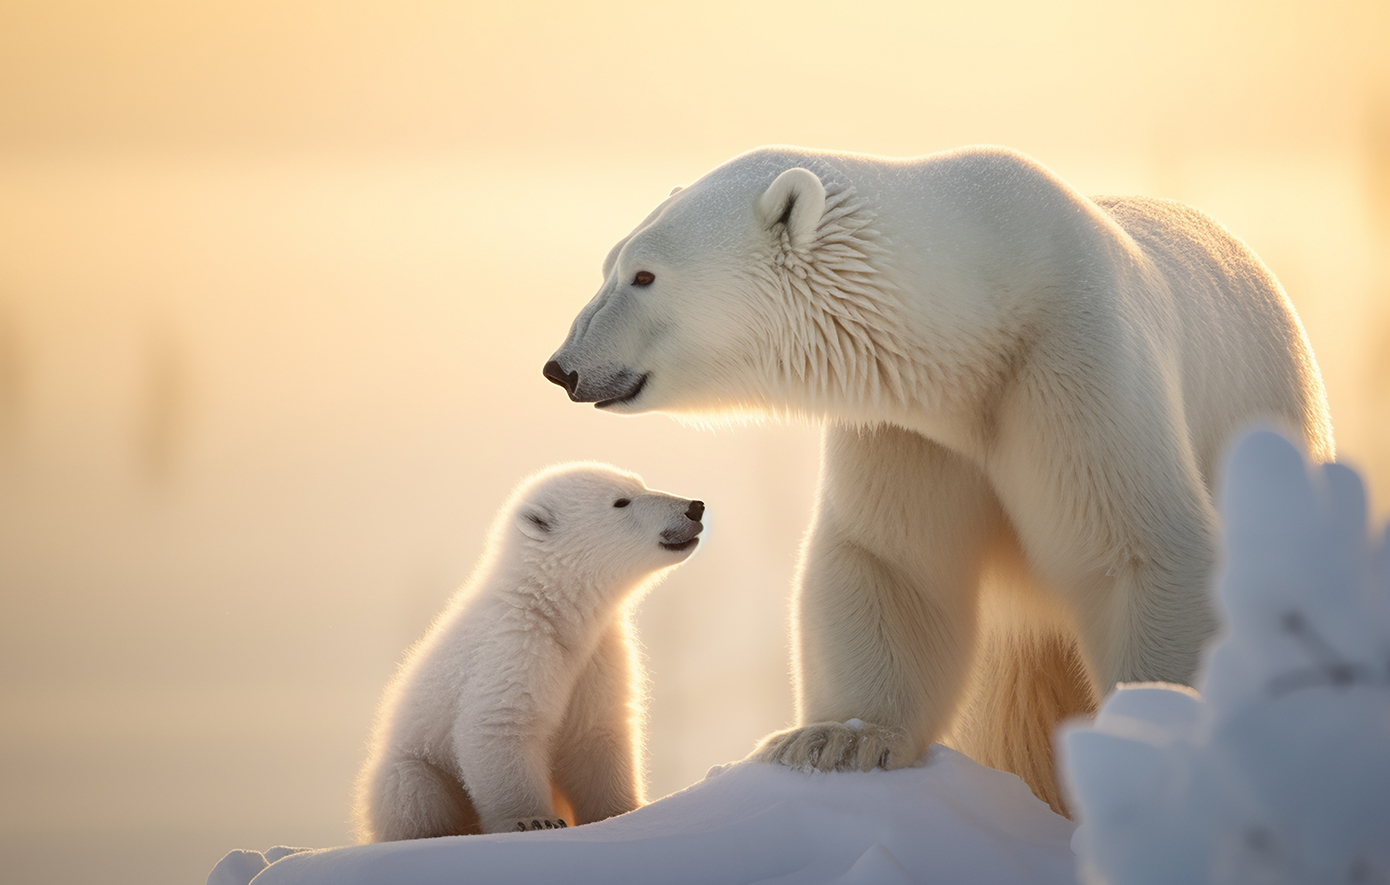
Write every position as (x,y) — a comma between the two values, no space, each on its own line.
(1026,681)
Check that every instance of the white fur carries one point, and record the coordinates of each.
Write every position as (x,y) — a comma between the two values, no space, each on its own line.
(1027,393)
(528,684)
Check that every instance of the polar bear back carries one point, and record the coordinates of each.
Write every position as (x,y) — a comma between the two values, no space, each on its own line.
(1174,283)
(1236,329)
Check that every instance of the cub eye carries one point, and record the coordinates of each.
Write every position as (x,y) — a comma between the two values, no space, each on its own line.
(643,278)
(622,502)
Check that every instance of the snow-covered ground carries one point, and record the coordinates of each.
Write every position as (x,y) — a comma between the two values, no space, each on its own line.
(1278,773)
(950,820)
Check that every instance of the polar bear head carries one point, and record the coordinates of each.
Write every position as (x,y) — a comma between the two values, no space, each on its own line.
(594,521)
(752,290)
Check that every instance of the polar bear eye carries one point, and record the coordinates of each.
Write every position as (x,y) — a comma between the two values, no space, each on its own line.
(622,502)
(643,278)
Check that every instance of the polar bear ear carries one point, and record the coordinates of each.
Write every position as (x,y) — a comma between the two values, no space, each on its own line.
(675,190)
(796,199)
(536,522)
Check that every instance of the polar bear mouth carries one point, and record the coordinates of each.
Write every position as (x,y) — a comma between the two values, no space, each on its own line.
(680,545)
(622,399)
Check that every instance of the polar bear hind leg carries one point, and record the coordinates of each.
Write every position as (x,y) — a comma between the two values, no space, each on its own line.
(1026,679)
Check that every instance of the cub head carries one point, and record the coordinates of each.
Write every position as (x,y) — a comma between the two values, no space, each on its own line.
(603,522)
(702,308)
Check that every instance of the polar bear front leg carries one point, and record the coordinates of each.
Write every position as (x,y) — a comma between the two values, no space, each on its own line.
(507,775)
(886,603)
(598,749)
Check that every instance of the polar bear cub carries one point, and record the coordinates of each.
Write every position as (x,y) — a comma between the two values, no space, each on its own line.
(527,685)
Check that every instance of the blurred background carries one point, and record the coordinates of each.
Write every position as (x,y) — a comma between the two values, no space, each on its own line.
(277,280)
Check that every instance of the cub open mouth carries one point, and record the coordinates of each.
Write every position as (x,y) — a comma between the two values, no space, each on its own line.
(632,394)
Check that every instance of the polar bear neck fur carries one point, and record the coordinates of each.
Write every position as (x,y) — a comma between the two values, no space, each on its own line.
(837,320)
(849,346)
(571,590)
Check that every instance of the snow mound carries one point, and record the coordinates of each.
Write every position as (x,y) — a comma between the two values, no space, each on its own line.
(240,866)
(1279,772)
(949,820)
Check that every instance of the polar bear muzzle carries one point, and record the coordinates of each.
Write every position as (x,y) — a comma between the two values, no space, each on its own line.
(685,535)
(617,389)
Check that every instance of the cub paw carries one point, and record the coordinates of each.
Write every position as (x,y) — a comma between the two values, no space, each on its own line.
(524,824)
(837,746)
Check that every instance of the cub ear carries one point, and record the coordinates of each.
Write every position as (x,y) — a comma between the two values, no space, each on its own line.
(796,199)
(536,522)
(675,190)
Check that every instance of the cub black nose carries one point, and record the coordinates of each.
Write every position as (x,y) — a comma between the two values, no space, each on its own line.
(556,374)
(695,510)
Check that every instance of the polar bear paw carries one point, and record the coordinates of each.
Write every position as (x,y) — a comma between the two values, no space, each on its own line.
(837,746)
(524,824)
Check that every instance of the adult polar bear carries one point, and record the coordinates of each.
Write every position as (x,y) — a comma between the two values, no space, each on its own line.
(1026,393)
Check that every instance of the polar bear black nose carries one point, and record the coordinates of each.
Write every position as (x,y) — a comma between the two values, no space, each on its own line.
(695,510)
(569,381)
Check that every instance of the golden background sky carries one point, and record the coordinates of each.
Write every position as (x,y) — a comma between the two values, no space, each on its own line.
(277,280)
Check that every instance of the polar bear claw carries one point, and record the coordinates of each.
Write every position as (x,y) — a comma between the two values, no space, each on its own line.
(836,746)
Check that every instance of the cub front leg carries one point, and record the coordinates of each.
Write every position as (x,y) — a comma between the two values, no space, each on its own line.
(507,775)
(598,764)
(886,601)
